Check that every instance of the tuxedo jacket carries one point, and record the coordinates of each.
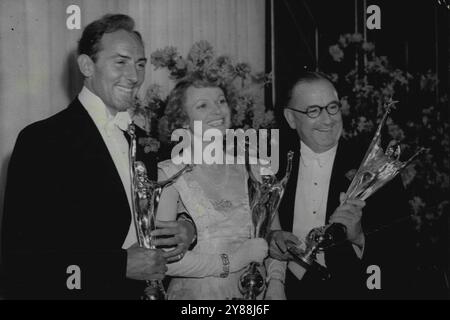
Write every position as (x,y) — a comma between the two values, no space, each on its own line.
(390,249)
(65,205)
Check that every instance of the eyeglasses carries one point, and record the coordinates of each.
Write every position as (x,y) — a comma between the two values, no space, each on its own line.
(315,111)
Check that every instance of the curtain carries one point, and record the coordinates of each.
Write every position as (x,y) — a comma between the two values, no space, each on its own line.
(38,73)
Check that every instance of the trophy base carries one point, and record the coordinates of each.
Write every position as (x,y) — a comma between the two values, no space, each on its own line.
(252,282)
(154,291)
(308,262)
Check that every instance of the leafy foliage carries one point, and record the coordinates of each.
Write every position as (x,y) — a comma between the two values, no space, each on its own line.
(365,81)
(248,109)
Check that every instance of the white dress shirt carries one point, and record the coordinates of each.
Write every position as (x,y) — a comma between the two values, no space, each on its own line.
(311,197)
(111,129)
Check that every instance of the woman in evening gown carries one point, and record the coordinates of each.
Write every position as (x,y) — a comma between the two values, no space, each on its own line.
(214,195)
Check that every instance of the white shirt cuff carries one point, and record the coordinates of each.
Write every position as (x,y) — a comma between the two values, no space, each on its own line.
(359,251)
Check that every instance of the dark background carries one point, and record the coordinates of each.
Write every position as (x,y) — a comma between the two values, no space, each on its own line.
(414,36)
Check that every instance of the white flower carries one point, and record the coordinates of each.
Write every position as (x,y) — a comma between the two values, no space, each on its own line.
(368,46)
(336,53)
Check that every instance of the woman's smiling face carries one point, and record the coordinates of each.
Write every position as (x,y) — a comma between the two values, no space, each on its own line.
(208,105)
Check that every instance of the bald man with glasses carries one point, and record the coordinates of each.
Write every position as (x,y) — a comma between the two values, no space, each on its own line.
(313,198)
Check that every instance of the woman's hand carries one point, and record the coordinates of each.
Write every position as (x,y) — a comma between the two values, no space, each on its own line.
(275,290)
(252,250)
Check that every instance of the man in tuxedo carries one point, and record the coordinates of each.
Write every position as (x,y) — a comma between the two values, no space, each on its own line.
(367,264)
(68,228)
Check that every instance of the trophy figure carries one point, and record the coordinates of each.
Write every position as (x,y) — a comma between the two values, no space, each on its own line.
(145,200)
(264,199)
(376,170)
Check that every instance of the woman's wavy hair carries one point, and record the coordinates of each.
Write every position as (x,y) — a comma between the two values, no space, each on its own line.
(175,114)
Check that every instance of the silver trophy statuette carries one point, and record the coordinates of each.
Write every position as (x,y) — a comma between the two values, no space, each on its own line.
(146,196)
(377,168)
(264,199)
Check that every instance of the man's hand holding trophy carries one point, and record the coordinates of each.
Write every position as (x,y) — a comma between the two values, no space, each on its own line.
(146,195)
(378,167)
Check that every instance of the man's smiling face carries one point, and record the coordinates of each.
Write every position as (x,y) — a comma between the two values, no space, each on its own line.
(322,133)
(119,70)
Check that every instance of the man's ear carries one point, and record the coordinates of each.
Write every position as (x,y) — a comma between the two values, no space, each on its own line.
(289,118)
(86,65)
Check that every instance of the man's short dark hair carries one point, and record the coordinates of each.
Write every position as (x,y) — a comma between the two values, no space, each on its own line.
(89,43)
(306,77)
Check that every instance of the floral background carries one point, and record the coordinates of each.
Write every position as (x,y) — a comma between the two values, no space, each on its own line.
(248,109)
(365,81)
